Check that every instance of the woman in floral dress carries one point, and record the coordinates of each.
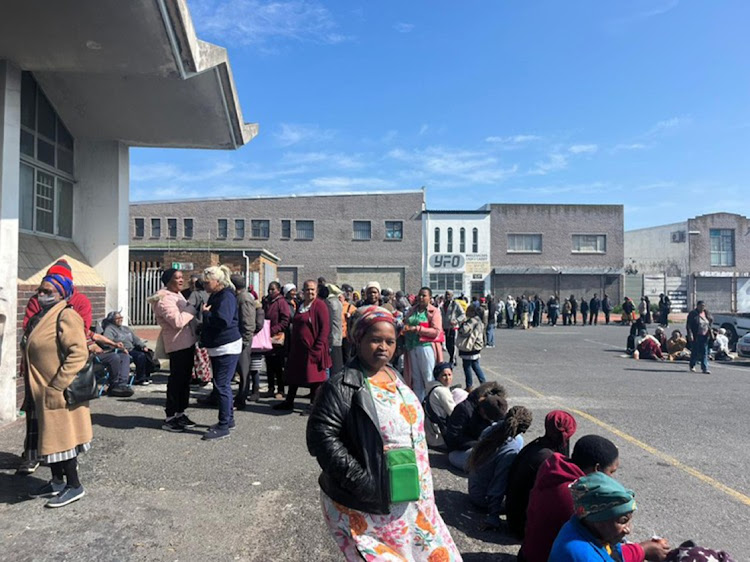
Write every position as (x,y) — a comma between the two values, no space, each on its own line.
(362,413)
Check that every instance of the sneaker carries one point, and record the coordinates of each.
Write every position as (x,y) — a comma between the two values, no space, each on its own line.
(173,425)
(185,422)
(692,369)
(214,434)
(68,495)
(142,382)
(121,391)
(27,467)
(706,372)
(50,489)
(231,426)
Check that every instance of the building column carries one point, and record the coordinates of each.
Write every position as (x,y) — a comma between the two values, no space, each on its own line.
(10,156)
(102,214)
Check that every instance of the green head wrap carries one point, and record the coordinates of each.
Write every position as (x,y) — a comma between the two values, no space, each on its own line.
(597,497)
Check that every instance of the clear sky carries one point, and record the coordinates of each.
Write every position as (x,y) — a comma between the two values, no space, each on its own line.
(644,103)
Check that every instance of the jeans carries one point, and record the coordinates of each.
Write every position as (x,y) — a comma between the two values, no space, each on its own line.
(141,360)
(593,316)
(469,366)
(223,367)
(458,459)
(699,352)
(178,384)
(119,366)
(491,334)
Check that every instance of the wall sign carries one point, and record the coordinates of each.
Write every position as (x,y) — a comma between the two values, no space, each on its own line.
(183,265)
(447,261)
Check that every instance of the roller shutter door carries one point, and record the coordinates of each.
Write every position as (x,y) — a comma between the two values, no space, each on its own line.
(358,277)
(716,292)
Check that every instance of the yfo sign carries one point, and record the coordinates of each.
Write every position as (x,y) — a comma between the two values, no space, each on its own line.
(447,261)
(183,265)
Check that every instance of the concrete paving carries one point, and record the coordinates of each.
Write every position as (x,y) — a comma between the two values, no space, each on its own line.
(153,495)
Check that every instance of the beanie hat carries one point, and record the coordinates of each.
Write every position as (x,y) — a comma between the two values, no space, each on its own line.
(61,267)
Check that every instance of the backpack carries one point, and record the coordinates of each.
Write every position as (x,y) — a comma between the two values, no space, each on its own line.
(470,337)
(432,415)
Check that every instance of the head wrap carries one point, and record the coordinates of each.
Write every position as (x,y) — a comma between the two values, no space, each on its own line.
(372,284)
(166,277)
(560,425)
(288,287)
(333,290)
(598,497)
(439,368)
(61,267)
(63,285)
(368,316)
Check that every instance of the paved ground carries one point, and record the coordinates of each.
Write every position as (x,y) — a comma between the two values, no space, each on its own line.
(152,495)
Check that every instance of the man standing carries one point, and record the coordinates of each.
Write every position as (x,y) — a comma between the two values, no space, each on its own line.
(524,305)
(371,296)
(665,307)
(347,311)
(574,308)
(247,312)
(335,311)
(492,314)
(452,314)
(606,307)
(698,332)
(584,310)
(594,305)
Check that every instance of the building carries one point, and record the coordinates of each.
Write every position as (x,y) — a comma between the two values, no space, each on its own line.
(703,258)
(456,251)
(345,238)
(556,249)
(78,87)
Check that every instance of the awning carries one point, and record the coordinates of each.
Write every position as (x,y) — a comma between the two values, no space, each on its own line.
(555,270)
(37,253)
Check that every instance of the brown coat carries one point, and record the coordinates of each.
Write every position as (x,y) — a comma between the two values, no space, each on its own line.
(60,427)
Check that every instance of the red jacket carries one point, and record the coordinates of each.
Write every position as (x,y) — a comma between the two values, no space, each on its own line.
(277,311)
(80,303)
(308,356)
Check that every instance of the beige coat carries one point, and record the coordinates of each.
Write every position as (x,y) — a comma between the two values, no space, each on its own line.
(60,427)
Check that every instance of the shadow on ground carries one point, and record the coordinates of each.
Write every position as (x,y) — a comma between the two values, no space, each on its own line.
(15,489)
(457,511)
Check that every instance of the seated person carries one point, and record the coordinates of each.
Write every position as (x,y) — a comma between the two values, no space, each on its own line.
(490,462)
(116,361)
(721,346)
(648,347)
(559,427)
(677,347)
(603,511)
(689,552)
(661,337)
(438,404)
(132,344)
(635,329)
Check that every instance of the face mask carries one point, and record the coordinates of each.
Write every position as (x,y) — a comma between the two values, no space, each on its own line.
(46,301)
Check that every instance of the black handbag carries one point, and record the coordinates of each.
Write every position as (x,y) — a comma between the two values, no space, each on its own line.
(84,386)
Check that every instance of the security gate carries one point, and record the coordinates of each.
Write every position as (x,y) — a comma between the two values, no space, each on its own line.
(142,284)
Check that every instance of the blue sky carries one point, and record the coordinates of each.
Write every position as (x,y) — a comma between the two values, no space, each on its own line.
(641,103)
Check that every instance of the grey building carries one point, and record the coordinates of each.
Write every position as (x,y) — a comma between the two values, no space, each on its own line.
(707,256)
(346,238)
(557,249)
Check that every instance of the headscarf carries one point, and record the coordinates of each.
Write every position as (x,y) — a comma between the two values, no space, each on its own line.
(288,287)
(333,290)
(63,285)
(166,277)
(560,425)
(598,497)
(367,317)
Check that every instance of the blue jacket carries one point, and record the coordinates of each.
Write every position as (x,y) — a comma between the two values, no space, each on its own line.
(575,543)
(221,324)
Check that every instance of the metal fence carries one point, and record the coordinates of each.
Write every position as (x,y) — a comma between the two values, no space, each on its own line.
(143,284)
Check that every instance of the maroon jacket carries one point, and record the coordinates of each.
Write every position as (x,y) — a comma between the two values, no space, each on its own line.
(309,356)
(80,303)
(277,311)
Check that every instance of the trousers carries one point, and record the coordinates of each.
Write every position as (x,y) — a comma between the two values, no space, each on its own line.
(178,384)
(223,367)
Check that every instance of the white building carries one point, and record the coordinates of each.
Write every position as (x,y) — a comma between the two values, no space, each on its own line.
(79,85)
(456,251)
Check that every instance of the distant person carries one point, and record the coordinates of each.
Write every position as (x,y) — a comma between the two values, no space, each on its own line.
(594,306)
(510,312)
(648,347)
(278,314)
(470,342)
(423,333)
(452,315)
(721,346)
(553,310)
(665,307)
(573,308)
(440,402)
(249,364)
(584,310)
(628,311)
(524,306)
(491,320)
(566,312)
(135,347)
(677,347)
(606,308)
(698,327)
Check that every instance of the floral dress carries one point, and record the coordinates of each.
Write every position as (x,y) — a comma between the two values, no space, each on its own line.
(412,530)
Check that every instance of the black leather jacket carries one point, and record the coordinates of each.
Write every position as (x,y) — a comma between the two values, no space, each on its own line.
(343,435)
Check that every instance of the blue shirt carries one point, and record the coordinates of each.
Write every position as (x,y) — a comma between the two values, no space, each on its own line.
(575,543)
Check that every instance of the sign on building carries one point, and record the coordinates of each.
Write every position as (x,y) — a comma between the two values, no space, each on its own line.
(183,265)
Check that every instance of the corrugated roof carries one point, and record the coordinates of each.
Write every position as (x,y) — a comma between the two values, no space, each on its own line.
(36,254)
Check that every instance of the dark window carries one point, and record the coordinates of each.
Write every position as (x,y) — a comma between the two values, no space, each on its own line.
(437,240)
(140,228)
(187,228)
(171,228)
(223,227)
(260,228)
(305,230)
(239,228)
(446,281)
(449,249)
(462,241)
(286,228)
(362,230)
(394,230)
(475,241)
(155,228)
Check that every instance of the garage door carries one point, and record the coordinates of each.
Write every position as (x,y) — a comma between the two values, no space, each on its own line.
(358,277)
(743,294)
(716,292)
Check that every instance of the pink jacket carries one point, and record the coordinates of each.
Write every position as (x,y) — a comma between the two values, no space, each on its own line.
(173,314)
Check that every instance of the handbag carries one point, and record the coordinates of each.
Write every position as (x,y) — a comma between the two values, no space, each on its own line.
(84,386)
(262,340)
(202,365)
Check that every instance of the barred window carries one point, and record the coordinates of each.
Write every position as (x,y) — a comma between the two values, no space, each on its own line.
(722,247)
(305,230)
(286,228)
(362,230)
(260,228)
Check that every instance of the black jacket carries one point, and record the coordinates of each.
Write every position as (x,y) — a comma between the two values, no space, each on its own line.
(464,425)
(221,324)
(692,326)
(343,435)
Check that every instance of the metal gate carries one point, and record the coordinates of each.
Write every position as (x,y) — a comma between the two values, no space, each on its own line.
(633,287)
(716,292)
(142,284)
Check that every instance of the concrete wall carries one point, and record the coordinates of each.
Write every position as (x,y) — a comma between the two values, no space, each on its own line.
(658,250)
(10,123)
(333,246)
(700,242)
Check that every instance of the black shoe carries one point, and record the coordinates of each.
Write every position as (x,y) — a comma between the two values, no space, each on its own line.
(232,425)
(254,397)
(50,489)
(173,425)
(185,422)
(121,391)
(214,434)
(68,495)
(27,467)
(288,406)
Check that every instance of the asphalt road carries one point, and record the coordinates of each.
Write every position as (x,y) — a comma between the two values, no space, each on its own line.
(153,495)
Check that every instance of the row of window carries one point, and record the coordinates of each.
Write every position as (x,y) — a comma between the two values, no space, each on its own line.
(261,228)
(582,243)
(461,240)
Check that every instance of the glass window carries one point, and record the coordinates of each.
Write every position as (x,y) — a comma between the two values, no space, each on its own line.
(155,228)
(394,230)
(362,230)
(261,228)
(446,281)
(239,228)
(26,197)
(64,138)
(140,228)
(525,243)
(590,243)
(475,241)
(722,247)
(65,208)
(65,160)
(45,151)
(305,230)
(171,228)
(46,118)
(223,227)
(28,101)
(286,228)
(27,143)
(45,202)
(187,228)
(437,241)
(450,241)
(462,241)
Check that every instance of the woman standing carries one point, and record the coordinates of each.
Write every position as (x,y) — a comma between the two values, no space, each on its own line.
(470,342)
(308,351)
(55,351)
(175,315)
(423,329)
(220,334)
(277,312)
(364,417)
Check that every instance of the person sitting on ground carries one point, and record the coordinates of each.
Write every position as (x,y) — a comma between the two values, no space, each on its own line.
(635,329)
(439,403)
(689,552)
(721,346)
(677,347)
(559,427)
(648,347)
(603,513)
(661,337)
(134,346)
(490,462)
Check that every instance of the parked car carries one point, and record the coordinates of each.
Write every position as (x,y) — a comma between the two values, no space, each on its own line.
(743,346)
(736,325)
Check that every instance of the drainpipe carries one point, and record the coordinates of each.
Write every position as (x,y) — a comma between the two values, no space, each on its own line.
(247,267)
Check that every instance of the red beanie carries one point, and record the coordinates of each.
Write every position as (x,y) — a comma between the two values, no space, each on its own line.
(61,267)
(561,424)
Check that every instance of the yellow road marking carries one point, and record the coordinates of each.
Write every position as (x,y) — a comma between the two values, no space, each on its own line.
(731,492)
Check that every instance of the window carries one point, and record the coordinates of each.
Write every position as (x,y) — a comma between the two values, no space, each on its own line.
(475,241)
(450,241)
(305,230)
(722,247)
(447,281)
(140,228)
(187,228)
(155,228)
(223,228)
(362,230)
(286,228)
(394,230)
(437,240)
(260,228)
(525,243)
(239,228)
(590,243)
(171,228)
(462,241)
